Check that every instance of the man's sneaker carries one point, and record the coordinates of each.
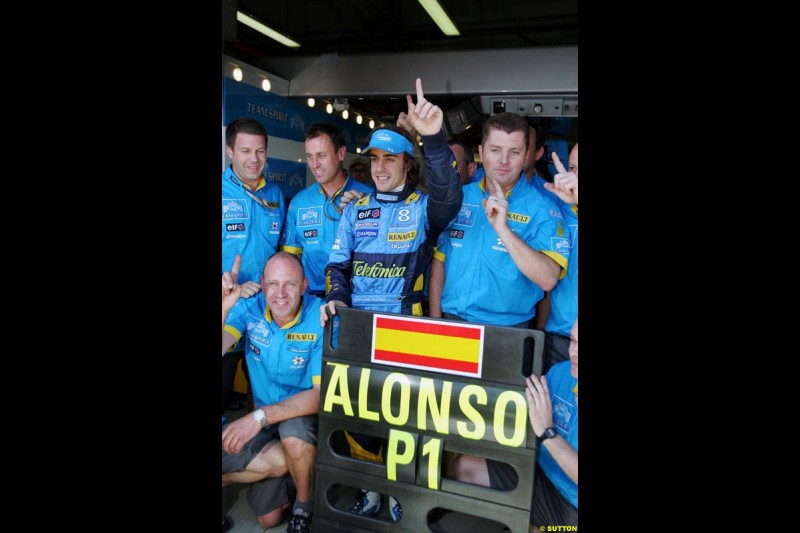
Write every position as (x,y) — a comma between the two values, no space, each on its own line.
(368,503)
(227,523)
(394,509)
(299,522)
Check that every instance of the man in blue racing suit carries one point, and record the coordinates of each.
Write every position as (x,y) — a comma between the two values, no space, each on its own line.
(385,241)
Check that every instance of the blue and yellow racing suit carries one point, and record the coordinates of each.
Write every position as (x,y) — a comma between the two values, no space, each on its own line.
(385,240)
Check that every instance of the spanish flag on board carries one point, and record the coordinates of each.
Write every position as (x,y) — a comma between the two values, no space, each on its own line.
(449,348)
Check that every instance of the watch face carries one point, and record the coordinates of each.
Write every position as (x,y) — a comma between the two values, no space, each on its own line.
(549,433)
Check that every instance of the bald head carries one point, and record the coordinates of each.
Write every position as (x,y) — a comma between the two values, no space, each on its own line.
(283,283)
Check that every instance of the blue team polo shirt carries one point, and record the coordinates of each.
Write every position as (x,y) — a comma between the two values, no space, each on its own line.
(564,297)
(281,361)
(482,282)
(565,419)
(250,228)
(311,225)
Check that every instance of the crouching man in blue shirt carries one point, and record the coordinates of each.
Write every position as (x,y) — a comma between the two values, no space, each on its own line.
(283,347)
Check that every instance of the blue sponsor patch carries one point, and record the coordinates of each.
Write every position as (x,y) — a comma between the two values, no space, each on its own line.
(309,216)
(234,208)
(372,233)
(367,224)
(466,215)
(560,245)
(563,411)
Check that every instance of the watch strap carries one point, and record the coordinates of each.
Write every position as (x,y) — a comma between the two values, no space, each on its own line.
(549,433)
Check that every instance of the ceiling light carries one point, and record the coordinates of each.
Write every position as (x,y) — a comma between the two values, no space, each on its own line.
(237,74)
(358,149)
(266,85)
(345,114)
(247,20)
(329,108)
(371,124)
(437,13)
(359,119)
(311,102)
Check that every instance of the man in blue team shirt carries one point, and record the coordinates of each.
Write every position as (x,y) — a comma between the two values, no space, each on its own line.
(559,308)
(508,243)
(553,414)
(314,213)
(252,217)
(283,340)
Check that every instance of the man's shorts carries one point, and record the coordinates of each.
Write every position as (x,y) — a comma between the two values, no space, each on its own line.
(268,494)
(548,506)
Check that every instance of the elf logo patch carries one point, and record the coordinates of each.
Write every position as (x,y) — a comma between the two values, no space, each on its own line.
(234,227)
(369,213)
(310,233)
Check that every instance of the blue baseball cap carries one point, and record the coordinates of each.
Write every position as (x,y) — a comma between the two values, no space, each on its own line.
(390,141)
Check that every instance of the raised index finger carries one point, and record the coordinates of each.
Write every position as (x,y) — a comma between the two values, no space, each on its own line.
(497,190)
(559,165)
(235,269)
(420,96)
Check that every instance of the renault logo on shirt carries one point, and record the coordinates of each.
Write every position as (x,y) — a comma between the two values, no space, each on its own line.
(518,218)
(399,237)
(301,336)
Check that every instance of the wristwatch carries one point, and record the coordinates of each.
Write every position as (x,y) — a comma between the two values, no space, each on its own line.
(549,433)
(261,417)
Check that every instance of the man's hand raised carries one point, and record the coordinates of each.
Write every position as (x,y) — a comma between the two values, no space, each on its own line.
(230,289)
(565,184)
(424,116)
